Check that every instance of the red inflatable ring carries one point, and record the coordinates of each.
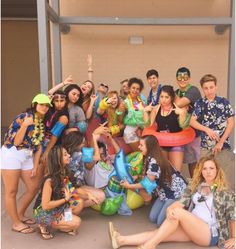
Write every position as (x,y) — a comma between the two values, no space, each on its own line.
(171,139)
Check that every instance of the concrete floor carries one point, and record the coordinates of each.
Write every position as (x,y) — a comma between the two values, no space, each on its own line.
(93,233)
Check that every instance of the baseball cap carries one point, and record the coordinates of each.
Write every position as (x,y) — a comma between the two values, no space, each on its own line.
(42,99)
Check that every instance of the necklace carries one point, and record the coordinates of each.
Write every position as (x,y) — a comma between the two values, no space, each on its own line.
(166,111)
(38,132)
(135,107)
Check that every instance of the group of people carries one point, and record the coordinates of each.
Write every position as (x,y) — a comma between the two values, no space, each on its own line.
(45,148)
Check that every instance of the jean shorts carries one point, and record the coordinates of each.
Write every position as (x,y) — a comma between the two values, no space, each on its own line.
(214,240)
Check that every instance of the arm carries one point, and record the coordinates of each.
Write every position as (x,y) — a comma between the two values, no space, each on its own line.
(36,159)
(195,124)
(28,120)
(67,81)
(90,69)
(228,131)
(89,112)
(153,114)
(47,203)
(114,143)
(127,185)
(182,102)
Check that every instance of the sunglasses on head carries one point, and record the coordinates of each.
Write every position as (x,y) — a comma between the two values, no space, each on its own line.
(104,85)
(58,96)
(182,76)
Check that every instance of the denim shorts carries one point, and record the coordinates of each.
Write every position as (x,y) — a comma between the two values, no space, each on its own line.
(214,240)
(173,148)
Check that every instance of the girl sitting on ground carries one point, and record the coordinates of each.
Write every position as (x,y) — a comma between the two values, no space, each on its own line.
(170,184)
(204,215)
(57,206)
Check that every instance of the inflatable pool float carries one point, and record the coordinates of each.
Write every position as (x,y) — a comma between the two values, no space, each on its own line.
(171,138)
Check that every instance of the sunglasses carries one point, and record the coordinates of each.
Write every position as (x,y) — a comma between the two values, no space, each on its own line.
(104,85)
(182,76)
(58,96)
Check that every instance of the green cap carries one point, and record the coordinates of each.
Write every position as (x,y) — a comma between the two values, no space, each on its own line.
(42,99)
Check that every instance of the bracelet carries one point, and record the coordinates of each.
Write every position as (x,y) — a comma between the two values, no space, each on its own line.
(65,200)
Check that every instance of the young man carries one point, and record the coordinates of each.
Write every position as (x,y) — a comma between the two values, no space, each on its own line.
(214,117)
(153,80)
(186,96)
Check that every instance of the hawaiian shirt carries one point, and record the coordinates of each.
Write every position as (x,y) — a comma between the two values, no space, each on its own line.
(167,191)
(214,115)
(224,203)
(77,167)
(13,129)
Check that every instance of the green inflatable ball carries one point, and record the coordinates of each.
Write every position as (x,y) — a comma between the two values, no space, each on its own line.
(111,205)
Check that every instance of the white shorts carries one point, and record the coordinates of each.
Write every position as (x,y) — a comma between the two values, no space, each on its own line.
(16,159)
(130,135)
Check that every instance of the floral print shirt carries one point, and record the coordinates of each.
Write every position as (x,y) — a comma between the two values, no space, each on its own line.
(214,115)
(28,138)
(168,191)
(224,203)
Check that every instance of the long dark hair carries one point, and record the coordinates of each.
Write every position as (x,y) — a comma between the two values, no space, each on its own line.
(70,88)
(72,140)
(154,151)
(170,91)
(63,112)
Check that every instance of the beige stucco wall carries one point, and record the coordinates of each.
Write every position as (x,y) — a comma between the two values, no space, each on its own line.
(165,48)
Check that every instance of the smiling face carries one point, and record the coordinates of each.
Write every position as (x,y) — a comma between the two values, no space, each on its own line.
(143,147)
(86,88)
(73,95)
(183,80)
(65,157)
(153,82)
(134,90)
(209,172)
(42,109)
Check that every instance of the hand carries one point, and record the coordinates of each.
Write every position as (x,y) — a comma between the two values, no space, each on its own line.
(93,98)
(101,129)
(67,193)
(230,243)
(28,120)
(218,147)
(44,156)
(68,80)
(179,110)
(34,172)
(93,198)
(96,136)
(124,183)
(89,61)
(212,135)
(148,108)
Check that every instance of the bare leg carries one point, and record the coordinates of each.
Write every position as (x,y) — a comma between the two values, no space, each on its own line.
(192,227)
(67,226)
(98,193)
(176,158)
(32,186)
(78,208)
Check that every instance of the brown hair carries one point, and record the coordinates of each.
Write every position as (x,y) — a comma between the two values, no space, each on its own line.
(207,78)
(154,151)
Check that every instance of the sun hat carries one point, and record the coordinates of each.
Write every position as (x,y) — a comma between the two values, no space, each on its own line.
(42,99)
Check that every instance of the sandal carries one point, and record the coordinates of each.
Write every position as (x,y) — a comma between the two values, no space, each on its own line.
(113,236)
(24,230)
(29,221)
(45,234)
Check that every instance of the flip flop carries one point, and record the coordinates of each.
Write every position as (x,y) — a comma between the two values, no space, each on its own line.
(25,230)
(29,221)
(46,235)
(113,234)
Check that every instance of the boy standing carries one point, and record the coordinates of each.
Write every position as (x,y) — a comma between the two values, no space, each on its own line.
(214,117)
(186,96)
(153,80)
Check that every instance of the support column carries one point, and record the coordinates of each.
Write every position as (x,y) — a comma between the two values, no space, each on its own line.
(56,45)
(43,45)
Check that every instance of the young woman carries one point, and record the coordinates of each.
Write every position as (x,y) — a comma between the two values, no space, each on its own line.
(169,118)
(54,198)
(113,109)
(208,221)
(55,121)
(20,155)
(170,183)
(77,119)
(134,117)
(73,143)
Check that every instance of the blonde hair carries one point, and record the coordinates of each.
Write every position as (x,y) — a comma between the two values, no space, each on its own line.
(219,180)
